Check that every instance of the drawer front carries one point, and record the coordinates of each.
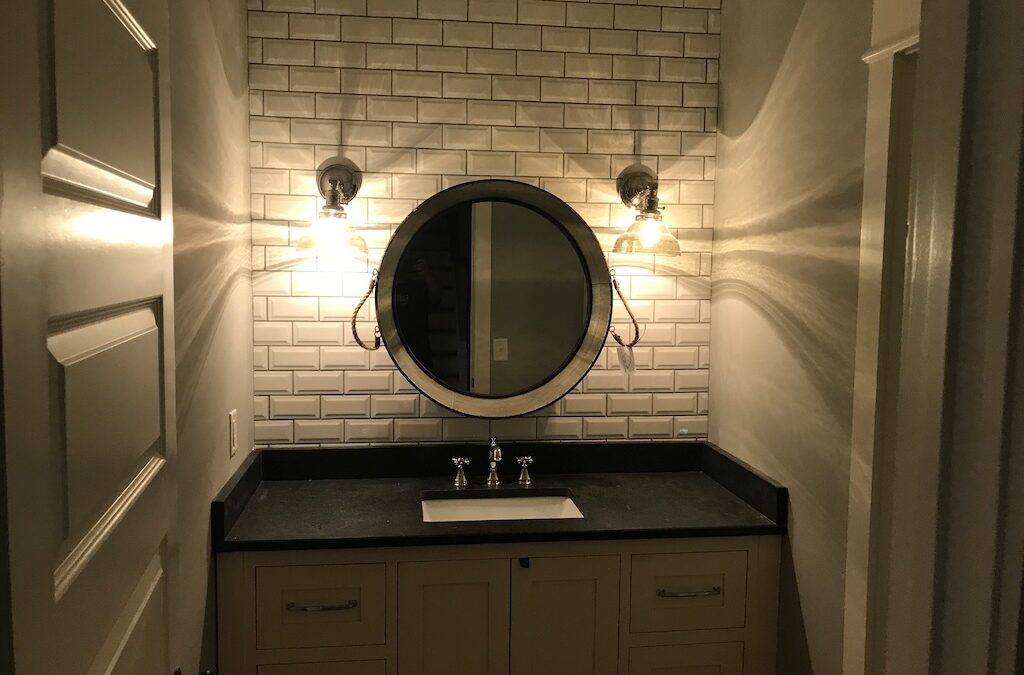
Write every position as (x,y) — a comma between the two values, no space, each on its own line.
(688,591)
(335,668)
(725,658)
(320,606)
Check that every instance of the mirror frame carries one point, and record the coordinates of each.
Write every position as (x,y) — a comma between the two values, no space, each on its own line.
(594,264)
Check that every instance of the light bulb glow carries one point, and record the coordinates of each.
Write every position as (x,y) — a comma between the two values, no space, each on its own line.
(650,232)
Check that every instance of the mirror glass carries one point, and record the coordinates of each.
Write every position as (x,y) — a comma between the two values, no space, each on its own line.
(491,298)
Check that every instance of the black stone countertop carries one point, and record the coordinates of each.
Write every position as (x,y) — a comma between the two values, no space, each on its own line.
(346,498)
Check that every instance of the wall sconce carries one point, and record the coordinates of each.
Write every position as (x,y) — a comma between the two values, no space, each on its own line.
(338,183)
(638,188)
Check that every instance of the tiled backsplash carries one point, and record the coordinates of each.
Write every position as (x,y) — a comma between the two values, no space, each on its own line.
(425,94)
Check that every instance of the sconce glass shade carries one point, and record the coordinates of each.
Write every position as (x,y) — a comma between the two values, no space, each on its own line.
(638,188)
(647,234)
(330,233)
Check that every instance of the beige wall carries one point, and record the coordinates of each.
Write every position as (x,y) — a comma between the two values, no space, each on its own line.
(787,236)
(212,290)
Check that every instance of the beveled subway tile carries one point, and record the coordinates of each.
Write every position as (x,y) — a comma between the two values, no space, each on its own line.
(466,34)
(683,70)
(498,113)
(366,133)
(391,108)
(613,91)
(288,104)
(418,135)
(469,137)
(345,406)
(540,164)
(442,110)
(417,32)
(272,382)
(273,431)
(490,163)
(315,131)
(357,7)
(541,12)
(392,8)
(495,61)
(563,90)
(515,138)
(446,59)
(268,24)
(290,407)
(341,106)
(458,85)
(563,140)
(288,52)
(702,46)
(517,37)
(659,94)
(539,114)
(558,39)
(394,160)
(408,430)
(659,44)
(318,431)
(360,81)
(631,17)
(340,54)
(498,11)
(613,41)
(691,427)
(605,427)
(588,66)
(308,333)
(391,57)
(314,26)
(515,88)
(410,83)
(365,29)
(368,430)
(684,20)
(650,427)
(444,9)
(268,77)
(588,15)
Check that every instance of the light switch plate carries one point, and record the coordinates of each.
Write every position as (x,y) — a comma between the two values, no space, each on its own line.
(501,349)
(232,433)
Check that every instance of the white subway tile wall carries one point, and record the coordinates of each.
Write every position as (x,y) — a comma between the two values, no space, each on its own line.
(426,94)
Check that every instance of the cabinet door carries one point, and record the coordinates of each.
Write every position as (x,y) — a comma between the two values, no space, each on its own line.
(340,668)
(724,658)
(565,616)
(453,617)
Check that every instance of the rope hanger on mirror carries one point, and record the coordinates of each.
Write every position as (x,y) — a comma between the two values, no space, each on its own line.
(625,350)
(355,314)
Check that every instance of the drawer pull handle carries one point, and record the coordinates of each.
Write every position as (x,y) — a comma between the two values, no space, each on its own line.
(714,590)
(293,607)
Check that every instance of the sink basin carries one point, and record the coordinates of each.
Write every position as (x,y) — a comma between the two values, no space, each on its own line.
(481,505)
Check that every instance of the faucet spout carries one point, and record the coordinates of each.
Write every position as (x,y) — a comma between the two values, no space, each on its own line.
(495,457)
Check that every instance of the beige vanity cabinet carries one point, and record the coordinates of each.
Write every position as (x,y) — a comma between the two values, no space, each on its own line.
(700,606)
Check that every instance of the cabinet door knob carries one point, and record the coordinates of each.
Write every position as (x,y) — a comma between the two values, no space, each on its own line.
(524,563)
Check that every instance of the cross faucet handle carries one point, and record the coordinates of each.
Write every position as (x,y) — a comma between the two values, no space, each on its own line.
(495,450)
(524,473)
(460,475)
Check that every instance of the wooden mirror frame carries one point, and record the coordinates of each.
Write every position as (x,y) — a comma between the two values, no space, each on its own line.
(594,266)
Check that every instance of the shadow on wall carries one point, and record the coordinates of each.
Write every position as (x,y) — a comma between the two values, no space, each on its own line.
(784,299)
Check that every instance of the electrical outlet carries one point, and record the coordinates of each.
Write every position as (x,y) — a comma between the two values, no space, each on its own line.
(232,433)
(501,349)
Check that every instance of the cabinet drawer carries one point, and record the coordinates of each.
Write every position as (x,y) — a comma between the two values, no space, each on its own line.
(688,591)
(724,658)
(319,606)
(334,668)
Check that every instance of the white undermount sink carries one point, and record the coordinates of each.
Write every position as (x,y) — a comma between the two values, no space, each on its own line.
(503,507)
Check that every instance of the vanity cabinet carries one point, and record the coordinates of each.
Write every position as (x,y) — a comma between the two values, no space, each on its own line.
(629,607)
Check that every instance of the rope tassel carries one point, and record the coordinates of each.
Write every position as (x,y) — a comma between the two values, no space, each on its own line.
(355,313)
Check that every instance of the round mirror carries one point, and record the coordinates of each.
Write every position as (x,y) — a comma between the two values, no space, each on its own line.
(494,298)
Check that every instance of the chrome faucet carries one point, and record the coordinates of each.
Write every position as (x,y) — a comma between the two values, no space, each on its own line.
(495,457)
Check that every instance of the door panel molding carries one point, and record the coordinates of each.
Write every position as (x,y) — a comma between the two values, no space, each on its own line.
(103,66)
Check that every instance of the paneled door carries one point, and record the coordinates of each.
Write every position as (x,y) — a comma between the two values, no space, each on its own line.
(86,321)
(453,617)
(565,615)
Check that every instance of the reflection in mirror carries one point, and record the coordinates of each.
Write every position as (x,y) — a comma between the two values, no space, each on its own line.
(491,298)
